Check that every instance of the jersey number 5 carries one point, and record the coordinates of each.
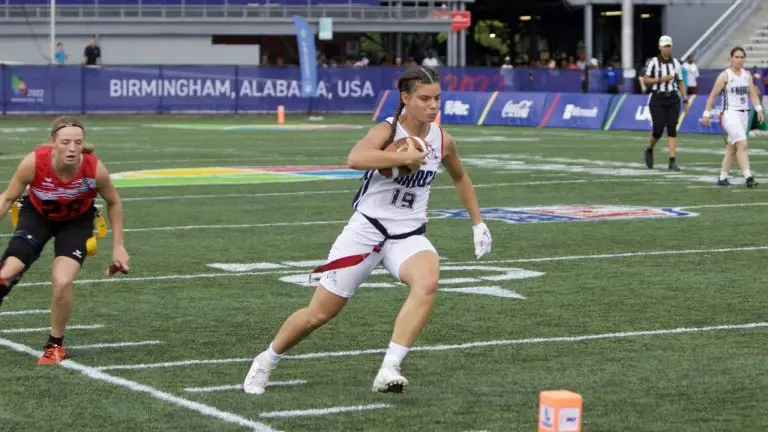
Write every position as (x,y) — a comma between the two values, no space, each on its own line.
(403,199)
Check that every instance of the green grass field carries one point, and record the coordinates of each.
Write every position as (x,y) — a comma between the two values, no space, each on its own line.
(660,323)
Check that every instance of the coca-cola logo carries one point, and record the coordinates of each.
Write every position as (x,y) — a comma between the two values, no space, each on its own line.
(517,109)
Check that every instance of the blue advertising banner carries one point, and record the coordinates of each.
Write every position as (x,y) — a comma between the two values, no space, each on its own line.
(580,111)
(630,112)
(305,39)
(691,122)
(195,89)
(463,107)
(522,96)
(456,107)
(517,109)
(386,105)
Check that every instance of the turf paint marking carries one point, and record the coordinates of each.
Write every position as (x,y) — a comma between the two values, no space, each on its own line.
(97,375)
(519,260)
(240,386)
(323,411)
(42,329)
(492,274)
(464,346)
(115,345)
(25,312)
(726,205)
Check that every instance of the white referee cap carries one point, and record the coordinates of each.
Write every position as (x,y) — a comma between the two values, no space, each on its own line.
(665,41)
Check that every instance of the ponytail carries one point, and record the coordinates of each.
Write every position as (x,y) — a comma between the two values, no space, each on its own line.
(391,138)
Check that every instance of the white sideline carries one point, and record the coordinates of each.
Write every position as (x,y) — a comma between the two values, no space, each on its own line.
(322,411)
(41,329)
(240,386)
(95,374)
(115,345)
(25,312)
(469,345)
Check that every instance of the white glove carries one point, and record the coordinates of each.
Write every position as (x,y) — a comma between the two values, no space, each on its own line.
(482,238)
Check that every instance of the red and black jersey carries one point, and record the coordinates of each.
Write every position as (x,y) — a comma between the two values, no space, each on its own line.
(59,200)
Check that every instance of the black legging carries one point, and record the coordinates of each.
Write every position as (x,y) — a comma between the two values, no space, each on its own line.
(665,112)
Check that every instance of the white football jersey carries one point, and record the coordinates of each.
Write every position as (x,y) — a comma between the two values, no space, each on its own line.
(736,91)
(400,204)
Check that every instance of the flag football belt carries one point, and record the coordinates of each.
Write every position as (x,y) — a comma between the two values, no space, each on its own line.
(353,260)
(99,226)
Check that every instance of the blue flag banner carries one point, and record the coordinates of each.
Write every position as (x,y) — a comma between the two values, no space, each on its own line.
(305,38)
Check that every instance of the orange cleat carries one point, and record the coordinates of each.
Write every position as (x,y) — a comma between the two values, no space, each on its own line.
(53,354)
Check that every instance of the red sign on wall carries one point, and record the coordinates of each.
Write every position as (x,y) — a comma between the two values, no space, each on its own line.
(460,20)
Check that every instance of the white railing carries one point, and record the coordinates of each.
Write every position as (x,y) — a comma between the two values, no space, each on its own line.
(712,41)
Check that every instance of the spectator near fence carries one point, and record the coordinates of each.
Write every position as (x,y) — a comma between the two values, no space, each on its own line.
(92,53)
(612,79)
(691,72)
(60,56)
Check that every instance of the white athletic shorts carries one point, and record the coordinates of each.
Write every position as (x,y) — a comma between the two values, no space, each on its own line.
(360,237)
(734,124)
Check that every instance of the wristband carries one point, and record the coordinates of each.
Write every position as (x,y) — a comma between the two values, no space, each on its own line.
(706,114)
(758,108)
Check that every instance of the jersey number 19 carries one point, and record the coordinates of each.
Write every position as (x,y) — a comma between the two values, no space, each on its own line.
(402,199)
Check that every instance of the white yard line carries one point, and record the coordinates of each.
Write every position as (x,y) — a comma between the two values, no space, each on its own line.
(115,345)
(350,191)
(469,345)
(337,222)
(235,226)
(42,329)
(747,204)
(240,159)
(25,312)
(119,279)
(626,255)
(240,386)
(323,411)
(97,375)
(175,363)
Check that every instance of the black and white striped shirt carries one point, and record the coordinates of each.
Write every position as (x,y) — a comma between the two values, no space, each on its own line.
(657,67)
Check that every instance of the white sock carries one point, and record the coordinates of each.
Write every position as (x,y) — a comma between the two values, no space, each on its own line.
(747,174)
(272,356)
(395,355)
(723,175)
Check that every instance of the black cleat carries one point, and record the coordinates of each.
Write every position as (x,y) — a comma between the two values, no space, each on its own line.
(750,183)
(673,166)
(649,158)
(723,182)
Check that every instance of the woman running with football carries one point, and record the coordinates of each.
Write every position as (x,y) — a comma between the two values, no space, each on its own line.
(401,157)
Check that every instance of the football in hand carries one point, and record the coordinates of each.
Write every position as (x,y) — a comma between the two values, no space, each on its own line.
(407,144)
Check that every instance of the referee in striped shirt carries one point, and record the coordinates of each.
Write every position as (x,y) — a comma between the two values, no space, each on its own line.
(664,78)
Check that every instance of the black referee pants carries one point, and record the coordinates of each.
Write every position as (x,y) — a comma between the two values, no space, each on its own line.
(665,112)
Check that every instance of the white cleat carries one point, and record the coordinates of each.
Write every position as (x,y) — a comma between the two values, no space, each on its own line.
(258,376)
(389,380)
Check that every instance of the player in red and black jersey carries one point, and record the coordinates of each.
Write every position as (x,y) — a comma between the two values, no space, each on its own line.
(63,182)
